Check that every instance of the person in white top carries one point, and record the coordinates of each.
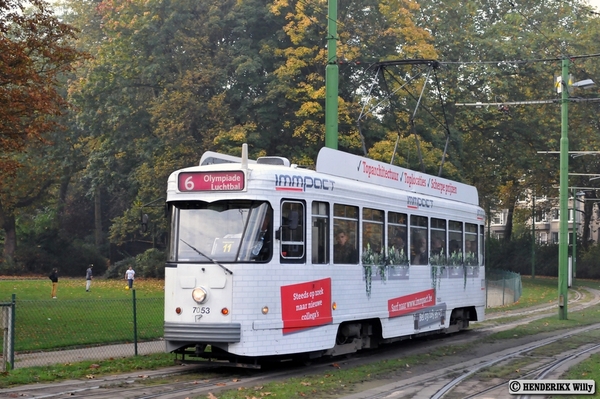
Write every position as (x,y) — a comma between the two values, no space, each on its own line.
(129,276)
(88,277)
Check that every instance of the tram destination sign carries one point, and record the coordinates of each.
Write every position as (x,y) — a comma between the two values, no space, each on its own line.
(211,181)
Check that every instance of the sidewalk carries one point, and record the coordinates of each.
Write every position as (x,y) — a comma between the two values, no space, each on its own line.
(89,353)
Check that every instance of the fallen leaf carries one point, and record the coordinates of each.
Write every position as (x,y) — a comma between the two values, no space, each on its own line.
(90,376)
(221,384)
(211,396)
(94,366)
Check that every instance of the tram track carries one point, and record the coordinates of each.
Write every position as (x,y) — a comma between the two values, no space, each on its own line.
(462,379)
(446,382)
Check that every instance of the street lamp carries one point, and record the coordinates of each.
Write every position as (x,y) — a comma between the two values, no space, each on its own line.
(563,234)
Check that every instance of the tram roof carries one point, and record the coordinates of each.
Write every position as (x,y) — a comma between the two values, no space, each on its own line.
(341,164)
(350,166)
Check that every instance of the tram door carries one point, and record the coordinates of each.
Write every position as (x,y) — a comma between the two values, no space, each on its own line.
(292,231)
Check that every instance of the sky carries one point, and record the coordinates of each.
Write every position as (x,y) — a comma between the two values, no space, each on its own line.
(595,3)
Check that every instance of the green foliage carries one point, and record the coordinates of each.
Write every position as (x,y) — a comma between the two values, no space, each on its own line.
(438,259)
(170,80)
(149,264)
(43,247)
(10,267)
(117,269)
(588,262)
(396,257)
(455,259)
(82,370)
(515,255)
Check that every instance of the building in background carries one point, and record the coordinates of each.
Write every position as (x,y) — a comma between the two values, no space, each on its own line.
(546,212)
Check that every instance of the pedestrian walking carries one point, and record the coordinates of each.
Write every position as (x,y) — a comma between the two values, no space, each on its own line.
(129,276)
(88,277)
(54,278)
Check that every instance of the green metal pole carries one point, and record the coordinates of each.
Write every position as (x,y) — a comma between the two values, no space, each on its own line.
(12,331)
(574,238)
(533,238)
(331,79)
(135,343)
(563,236)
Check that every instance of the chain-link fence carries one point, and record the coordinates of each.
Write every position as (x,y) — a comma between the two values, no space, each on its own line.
(502,288)
(65,331)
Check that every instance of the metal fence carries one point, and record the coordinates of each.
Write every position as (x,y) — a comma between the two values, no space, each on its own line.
(50,331)
(46,332)
(6,324)
(502,288)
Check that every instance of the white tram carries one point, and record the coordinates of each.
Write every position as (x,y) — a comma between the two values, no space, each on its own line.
(256,269)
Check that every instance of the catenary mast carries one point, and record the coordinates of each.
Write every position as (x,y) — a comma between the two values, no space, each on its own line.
(331,79)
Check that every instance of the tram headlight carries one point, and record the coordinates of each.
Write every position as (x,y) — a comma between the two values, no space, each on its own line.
(199,294)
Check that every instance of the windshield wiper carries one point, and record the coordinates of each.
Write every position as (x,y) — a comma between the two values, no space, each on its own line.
(207,257)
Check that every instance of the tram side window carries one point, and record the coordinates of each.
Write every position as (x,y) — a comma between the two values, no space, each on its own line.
(396,237)
(471,251)
(455,237)
(372,231)
(345,224)
(292,231)
(481,245)
(439,249)
(320,232)
(418,240)
(172,247)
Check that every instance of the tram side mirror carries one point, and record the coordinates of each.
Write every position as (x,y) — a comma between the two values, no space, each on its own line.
(144,222)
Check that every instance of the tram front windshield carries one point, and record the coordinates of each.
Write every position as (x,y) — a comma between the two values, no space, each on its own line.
(224,231)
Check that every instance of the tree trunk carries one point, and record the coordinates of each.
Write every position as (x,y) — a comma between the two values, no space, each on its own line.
(509,221)
(588,209)
(98,217)
(7,220)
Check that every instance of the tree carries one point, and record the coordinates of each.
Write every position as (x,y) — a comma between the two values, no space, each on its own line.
(499,52)
(35,50)
(369,32)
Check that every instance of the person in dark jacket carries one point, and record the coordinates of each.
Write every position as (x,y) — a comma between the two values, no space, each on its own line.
(54,278)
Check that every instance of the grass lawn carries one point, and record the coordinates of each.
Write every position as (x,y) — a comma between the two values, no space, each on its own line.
(77,317)
(73,288)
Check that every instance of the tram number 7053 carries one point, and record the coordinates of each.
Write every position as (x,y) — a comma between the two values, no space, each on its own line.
(201,310)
